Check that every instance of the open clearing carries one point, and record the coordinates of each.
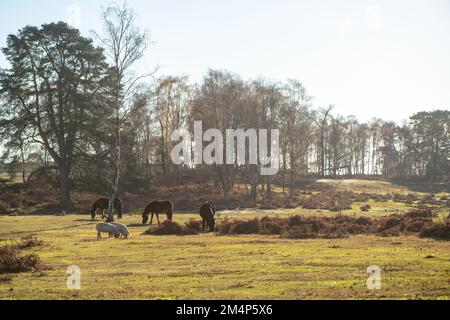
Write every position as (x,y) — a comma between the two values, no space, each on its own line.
(207,266)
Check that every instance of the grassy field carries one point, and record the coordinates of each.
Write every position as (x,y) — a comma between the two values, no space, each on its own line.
(207,266)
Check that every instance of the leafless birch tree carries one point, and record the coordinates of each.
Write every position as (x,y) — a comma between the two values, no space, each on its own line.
(124,44)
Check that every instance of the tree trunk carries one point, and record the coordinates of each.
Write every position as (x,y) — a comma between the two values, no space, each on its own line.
(64,185)
(284,170)
(254,189)
(269,187)
(291,182)
(117,167)
(322,152)
(222,183)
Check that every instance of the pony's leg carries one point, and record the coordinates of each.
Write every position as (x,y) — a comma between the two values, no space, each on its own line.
(203,224)
(99,236)
(151,219)
(157,217)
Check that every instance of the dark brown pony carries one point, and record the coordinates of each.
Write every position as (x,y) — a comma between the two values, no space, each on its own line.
(207,212)
(157,207)
(102,204)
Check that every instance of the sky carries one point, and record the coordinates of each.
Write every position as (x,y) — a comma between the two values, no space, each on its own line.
(369,58)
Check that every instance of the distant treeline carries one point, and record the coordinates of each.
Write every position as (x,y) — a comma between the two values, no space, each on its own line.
(62,108)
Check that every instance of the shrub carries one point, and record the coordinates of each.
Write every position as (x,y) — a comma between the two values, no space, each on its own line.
(380,197)
(194,225)
(267,205)
(298,227)
(363,221)
(171,228)
(415,226)
(426,213)
(289,204)
(295,221)
(437,231)
(224,227)
(408,199)
(271,228)
(12,262)
(3,207)
(29,242)
(246,227)
(14,204)
(391,223)
(366,207)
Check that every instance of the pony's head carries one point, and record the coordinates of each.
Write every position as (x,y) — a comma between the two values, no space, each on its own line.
(144,218)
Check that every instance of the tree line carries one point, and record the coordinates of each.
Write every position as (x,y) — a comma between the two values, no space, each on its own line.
(76,106)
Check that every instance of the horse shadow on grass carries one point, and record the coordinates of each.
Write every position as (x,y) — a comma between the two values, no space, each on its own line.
(86,220)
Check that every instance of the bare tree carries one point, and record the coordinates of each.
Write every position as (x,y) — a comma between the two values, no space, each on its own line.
(321,121)
(296,125)
(172,110)
(124,44)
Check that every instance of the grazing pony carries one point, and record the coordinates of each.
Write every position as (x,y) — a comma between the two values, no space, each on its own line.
(207,212)
(112,230)
(157,207)
(102,204)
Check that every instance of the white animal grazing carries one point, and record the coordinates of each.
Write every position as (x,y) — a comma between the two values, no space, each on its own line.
(122,229)
(112,230)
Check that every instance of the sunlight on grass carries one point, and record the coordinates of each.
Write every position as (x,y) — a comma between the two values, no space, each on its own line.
(207,266)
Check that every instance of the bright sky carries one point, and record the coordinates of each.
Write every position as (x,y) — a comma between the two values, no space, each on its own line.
(369,58)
